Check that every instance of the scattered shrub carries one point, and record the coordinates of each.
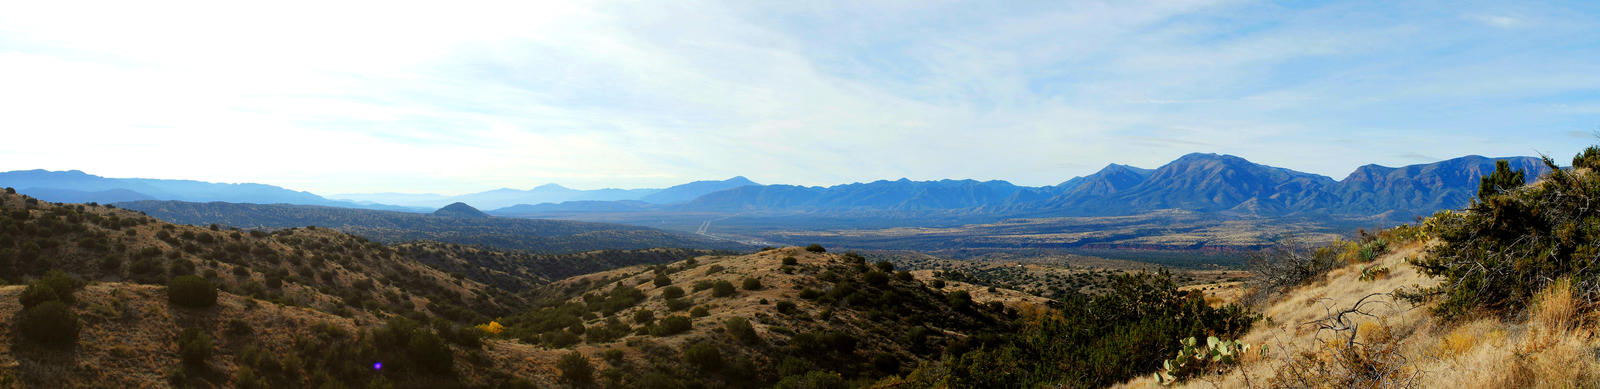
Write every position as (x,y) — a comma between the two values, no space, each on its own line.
(661,280)
(699,311)
(741,330)
(191,291)
(576,369)
(790,261)
(672,292)
(816,248)
(51,322)
(194,347)
(644,316)
(673,325)
(751,283)
(704,356)
(787,307)
(722,288)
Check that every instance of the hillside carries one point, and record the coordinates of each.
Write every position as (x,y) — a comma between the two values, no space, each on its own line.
(824,312)
(391,227)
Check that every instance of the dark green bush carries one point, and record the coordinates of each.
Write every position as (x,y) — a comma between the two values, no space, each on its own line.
(722,288)
(661,280)
(790,261)
(644,316)
(699,311)
(191,291)
(816,248)
(787,307)
(194,347)
(701,285)
(876,278)
(54,286)
(751,283)
(741,330)
(672,292)
(704,356)
(1501,180)
(51,322)
(673,325)
(576,369)
(676,305)
(885,266)
(1507,246)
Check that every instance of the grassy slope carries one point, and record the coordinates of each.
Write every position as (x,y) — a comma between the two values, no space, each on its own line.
(1545,349)
(876,334)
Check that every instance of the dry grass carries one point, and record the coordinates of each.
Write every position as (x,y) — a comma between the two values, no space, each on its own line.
(1551,348)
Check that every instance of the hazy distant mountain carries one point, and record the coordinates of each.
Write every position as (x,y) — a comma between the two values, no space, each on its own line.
(554,194)
(460,210)
(1448,184)
(78,196)
(77,186)
(693,190)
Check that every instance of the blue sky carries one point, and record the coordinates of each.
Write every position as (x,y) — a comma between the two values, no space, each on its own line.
(420,97)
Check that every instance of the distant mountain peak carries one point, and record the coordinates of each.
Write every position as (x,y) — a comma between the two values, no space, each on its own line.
(549,186)
(460,209)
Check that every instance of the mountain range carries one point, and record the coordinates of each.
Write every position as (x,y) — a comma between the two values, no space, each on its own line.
(551,193)
(1207,183)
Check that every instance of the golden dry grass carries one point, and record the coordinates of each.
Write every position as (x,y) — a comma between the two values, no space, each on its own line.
(1551,348)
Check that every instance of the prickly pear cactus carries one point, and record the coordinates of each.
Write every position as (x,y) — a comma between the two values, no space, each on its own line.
(1194,358)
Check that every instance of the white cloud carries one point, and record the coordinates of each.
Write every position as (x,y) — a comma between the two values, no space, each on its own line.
(410,96)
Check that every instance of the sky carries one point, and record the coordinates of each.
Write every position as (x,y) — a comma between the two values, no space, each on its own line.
(466,96)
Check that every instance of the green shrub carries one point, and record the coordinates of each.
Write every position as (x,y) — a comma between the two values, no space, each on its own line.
(904,276)
(613,356)
(1498,253)
(644,316)
(885,266)
(678,304)
(576,369)
(661,280)
(54,286)
(699,311)
(741,330)
(722,288)
(1501,180)
(673,325)
(787,307)
(816,248)
(813,380)
(751,283)
(701,285)
(959,299)
(704,356)
(51,322)
(191,291)
(790,261)
(672,292)
(876,278)
(194,347)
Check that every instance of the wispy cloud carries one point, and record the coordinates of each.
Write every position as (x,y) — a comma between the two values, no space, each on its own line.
(385,96)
